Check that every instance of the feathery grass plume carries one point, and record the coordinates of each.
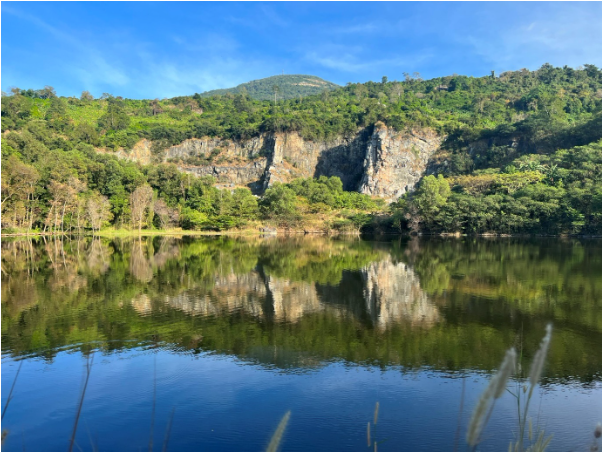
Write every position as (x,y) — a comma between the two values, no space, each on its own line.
(508,367)
(539,359)
(273,446)
(598,431)
(375,413)
(493,391)
(89,361)
(542,443)
(10,394)
(368,434)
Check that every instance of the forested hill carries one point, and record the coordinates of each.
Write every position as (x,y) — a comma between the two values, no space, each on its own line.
(521,153)
(278,87)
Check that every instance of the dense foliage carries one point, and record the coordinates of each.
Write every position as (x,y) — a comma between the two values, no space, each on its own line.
(557,193)
(522,155)
(284,87)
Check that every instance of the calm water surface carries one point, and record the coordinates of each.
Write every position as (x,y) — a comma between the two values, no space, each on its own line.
(222,336)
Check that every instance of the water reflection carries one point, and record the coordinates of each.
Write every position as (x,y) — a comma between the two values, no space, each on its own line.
(295,302)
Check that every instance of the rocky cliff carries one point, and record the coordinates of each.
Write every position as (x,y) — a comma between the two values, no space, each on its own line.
(377,161)
(395,162)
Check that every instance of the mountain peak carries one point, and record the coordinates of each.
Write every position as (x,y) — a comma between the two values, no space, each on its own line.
(289,86)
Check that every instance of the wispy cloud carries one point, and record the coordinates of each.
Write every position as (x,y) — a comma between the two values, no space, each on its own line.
(355,62)
(369,27)
(92,67)
(569,37)
(272,16)
(343,62)
(144,73)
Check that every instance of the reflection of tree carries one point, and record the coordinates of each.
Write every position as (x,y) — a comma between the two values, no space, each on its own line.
(554,278)
(312,299)
(98,257)
(140,267)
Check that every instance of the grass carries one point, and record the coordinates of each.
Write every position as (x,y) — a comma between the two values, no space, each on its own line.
(310,224)
(273,445)
(495,389)
(113,233)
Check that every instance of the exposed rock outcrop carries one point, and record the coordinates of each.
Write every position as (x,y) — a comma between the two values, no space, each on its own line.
(377,161)
(395,162)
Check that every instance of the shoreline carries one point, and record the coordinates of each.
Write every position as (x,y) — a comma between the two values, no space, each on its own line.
(285,232)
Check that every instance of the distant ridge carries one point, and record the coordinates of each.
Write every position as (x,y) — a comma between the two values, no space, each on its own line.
(290,86)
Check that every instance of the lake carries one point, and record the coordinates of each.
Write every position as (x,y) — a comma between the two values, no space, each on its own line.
(203,344)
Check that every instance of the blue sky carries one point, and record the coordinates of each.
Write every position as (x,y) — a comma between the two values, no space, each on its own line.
(164,49)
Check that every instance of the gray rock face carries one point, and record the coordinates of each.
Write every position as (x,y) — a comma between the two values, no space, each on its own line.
(377,161)
(395,162)
(249,175)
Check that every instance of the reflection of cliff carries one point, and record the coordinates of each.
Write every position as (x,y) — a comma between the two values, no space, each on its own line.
(393,294)
(292,300)
(383,292)
(143,258)
(230,293)
(278,299)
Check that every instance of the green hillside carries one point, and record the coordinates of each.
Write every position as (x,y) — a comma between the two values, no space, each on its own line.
(523,154)
(289,86)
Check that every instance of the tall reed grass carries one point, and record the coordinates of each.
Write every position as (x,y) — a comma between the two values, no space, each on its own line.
(495,389)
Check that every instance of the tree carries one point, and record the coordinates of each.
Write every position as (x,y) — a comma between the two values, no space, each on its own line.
(279,202)
(86,96)
(85,132)
(115,118)
(155,107)
(431,196)
(56,115)
(98,210)
(244,205)
(276,90)
(165,215)
(384,80)
(18,187)
(140,204)
(47,92)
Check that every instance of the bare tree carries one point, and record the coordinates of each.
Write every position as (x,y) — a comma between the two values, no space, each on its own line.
(167,216)
(61,194)
(396,92)
(98,210)
(140,203)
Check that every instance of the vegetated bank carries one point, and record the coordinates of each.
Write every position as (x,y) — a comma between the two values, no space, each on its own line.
(518,153)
